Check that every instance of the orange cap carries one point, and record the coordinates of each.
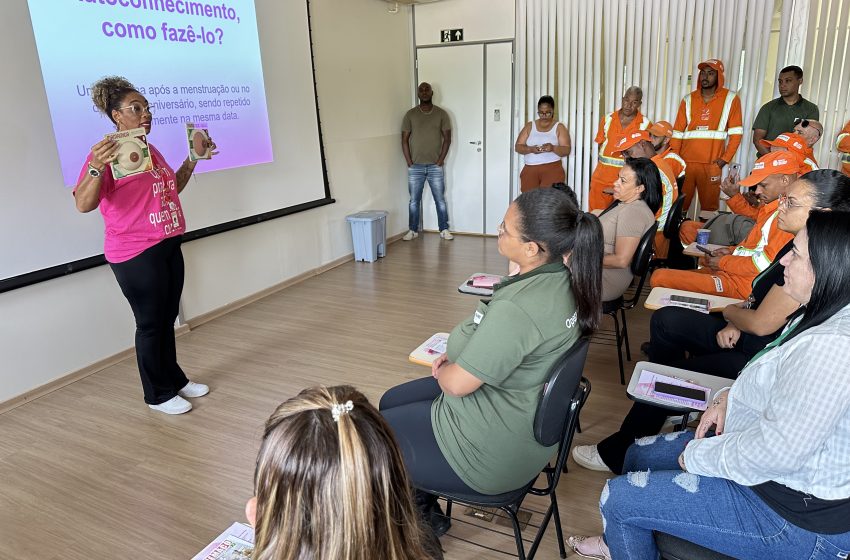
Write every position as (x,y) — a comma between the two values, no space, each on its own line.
(712,63)
(774,163)
(788,140)
(661,128)
(632,139)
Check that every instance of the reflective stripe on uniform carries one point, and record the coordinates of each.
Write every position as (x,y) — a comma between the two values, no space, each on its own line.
(705,134)
(845,158)
(675,156)
(811,163)
(615,162)
(739,130)
(609,118)
(666,200)
(760,259)
(727,109)
(841,137)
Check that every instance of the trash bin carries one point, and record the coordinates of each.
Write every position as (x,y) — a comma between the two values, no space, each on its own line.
(369,233)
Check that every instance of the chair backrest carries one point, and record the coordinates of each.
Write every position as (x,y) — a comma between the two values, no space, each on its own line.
(554,409)
(643,253)
(674,219)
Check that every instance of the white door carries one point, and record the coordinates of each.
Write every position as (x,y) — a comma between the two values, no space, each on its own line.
(498,134)
(457,76)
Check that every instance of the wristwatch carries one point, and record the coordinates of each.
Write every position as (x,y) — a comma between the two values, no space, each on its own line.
(93,171)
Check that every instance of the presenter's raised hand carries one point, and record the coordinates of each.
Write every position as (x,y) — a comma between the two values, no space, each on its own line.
(102,153)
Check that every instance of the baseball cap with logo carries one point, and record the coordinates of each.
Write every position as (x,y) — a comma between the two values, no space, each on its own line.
(774,163)
(712,63)
(631,139)
(661,128)
(789,141)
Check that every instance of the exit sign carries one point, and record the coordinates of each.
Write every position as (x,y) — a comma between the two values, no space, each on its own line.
(451,35)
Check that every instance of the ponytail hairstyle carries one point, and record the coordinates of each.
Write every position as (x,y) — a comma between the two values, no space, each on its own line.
(829,253)
(330,483)
(551,219)
(647,174)
(108,94)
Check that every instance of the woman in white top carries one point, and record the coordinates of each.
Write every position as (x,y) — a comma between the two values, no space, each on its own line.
(774,479)
(543,143)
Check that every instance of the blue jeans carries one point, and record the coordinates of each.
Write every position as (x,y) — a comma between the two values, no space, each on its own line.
(416,176)
(712,512)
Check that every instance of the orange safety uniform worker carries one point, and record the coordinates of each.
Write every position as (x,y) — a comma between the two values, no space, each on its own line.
(731,273)
(639,144)
(707,133)
(661,133)
(612,128)
(794,143)
(842,143)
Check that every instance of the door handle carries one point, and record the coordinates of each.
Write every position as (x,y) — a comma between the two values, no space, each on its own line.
(478,143)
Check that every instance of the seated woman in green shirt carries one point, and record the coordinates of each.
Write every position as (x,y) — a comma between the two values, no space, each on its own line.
(469,427)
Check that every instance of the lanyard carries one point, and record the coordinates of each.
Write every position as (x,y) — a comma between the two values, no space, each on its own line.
(775,343)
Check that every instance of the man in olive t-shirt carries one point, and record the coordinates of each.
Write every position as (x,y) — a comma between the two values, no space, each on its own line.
(426,134)
(777,116)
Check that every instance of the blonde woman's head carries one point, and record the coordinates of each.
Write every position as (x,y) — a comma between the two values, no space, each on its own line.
(330,483)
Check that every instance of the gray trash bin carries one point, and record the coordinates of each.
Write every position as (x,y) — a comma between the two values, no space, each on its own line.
(369,234)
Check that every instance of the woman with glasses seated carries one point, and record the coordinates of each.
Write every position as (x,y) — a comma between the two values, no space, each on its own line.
(543,142)
(143,227)
(773,478)
(468,428)
(637,197)
(721,344)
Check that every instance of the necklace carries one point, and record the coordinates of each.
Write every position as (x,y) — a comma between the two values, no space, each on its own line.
(426,112)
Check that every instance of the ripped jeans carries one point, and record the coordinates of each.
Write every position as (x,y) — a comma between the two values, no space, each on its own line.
(715,513)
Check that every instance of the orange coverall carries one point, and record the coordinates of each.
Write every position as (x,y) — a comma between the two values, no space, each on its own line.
(609,135)
(737,271)
(669,194)
(676,163)
(700,136)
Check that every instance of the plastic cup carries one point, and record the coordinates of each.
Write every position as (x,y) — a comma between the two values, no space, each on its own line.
(702,236)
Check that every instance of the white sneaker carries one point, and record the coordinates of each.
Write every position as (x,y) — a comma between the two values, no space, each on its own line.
(447,235)
(192,390)
(410,235)
(176,405)
(588,457)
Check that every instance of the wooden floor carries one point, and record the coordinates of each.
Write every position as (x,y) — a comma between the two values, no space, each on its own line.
(89,472)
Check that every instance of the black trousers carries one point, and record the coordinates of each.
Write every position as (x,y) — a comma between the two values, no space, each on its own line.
(407,409)
(152,282)
(685,339)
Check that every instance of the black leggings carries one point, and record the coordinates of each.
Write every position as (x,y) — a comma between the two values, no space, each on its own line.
(152,282)
(407,409)
(685,339)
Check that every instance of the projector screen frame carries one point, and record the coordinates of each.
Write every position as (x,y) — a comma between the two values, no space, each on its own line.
(64,269)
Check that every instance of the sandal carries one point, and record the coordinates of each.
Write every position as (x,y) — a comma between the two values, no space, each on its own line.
(591,547)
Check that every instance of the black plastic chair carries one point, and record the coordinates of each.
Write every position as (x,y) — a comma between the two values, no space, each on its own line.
(674,548)
(554,423)
(639,268)
(675,217)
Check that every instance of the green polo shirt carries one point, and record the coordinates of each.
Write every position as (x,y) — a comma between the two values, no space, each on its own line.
(510,344)
(777,117)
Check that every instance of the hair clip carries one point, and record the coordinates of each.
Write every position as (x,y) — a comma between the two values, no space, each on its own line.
(338,410)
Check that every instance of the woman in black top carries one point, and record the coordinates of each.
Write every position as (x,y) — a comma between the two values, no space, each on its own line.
(718,345)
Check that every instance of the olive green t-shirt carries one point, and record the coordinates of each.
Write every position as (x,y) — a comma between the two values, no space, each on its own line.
(510,344)
(777,117)
(426,133)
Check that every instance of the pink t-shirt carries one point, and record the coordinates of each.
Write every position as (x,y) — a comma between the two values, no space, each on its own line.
(138,211)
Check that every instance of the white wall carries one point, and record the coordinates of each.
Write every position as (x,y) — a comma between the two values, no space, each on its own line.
(481,20)
(363,71)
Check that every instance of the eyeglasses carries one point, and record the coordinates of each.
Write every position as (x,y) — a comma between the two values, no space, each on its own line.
(785,202)
(545,114)
(801,121)
(138,109)
(502,230)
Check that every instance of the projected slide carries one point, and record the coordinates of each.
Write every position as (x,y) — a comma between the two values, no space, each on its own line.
(194,61)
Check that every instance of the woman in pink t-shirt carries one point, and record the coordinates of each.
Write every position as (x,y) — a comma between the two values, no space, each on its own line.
(143,228)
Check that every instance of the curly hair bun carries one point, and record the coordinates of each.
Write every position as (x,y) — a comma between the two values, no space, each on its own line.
(108,91)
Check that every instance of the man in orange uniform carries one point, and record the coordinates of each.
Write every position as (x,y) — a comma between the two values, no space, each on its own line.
(794,143)
(843,145)
(639,145)
(730,272)
(707,134)
(612,128)
(661,132)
